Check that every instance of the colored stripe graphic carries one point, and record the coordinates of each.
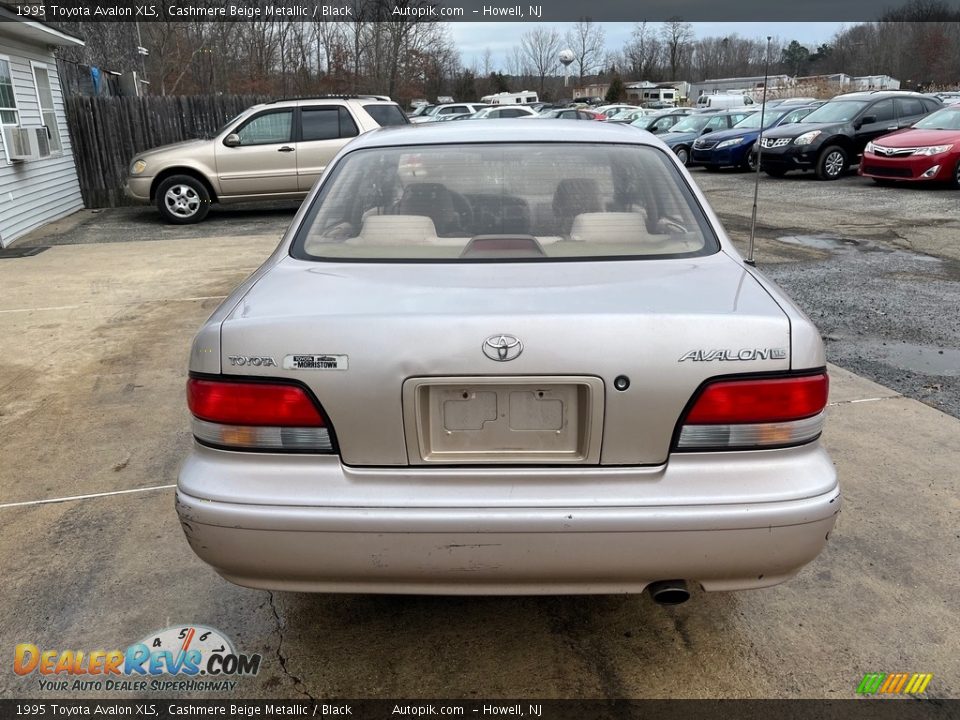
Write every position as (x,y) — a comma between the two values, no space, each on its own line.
(871,683)
(894,683)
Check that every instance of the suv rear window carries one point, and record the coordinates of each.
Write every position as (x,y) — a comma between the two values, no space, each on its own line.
(501,202)
(386,115)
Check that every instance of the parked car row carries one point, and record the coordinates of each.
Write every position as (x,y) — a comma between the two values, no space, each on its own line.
(278,150)
(890,135)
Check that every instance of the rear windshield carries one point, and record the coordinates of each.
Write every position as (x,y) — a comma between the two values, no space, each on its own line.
(386,115)
(506,201)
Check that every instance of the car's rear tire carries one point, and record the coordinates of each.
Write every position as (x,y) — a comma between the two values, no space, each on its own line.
(832,163)
(683,155)
(183,199)
(776,172)
(955,182)
(749,161)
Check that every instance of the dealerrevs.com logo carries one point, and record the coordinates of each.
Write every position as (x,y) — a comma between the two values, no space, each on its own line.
(182,658)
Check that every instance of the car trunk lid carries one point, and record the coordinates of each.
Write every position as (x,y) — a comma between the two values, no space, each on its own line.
(360,335)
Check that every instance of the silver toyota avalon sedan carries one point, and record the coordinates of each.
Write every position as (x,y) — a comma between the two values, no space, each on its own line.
(515,359)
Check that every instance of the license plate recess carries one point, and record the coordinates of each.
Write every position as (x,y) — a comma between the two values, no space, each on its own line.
(503,420)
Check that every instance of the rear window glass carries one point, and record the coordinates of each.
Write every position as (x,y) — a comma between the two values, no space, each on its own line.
(500,202)
(386,115)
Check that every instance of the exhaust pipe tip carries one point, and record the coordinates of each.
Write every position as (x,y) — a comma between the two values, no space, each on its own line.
(669,592)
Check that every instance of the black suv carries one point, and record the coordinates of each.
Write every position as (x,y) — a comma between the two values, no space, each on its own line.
(833,136)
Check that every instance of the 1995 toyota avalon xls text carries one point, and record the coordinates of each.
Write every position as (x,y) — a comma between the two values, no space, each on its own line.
(516,359)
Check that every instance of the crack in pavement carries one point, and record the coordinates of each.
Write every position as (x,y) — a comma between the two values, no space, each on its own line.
(281,658)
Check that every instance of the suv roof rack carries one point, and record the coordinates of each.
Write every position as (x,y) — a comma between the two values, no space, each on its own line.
(334,96)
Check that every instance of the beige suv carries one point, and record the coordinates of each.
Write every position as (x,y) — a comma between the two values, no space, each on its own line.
(272,151)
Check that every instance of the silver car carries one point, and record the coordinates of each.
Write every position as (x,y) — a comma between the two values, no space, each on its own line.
(532,364)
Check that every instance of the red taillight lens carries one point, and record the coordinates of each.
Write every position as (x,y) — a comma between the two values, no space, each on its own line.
(760,400)
(240,403)
(755,412)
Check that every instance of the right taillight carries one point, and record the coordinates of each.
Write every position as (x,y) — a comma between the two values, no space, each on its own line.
(257,416)
(737,414)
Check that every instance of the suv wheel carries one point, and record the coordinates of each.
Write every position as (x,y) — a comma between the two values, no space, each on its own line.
(832,163)
(183,199)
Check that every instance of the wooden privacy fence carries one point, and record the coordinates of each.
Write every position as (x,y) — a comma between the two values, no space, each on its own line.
(106,132)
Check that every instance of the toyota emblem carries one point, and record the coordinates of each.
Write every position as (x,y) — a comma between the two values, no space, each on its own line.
(502,347)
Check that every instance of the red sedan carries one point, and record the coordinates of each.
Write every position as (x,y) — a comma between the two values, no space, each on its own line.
(930,150)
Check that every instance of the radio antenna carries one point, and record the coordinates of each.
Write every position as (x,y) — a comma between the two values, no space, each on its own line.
(756,178)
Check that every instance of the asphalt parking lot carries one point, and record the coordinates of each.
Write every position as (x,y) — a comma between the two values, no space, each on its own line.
(92,403)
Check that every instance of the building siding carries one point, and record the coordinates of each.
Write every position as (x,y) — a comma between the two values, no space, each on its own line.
(35,192)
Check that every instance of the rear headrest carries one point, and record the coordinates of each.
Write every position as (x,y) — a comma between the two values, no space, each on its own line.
(396,230)
(576,195)
(610,227)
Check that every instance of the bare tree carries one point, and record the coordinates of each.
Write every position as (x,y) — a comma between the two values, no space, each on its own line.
(677,36)
(541,48)
(517,65)
(643,53)
(487,62)
(586,40)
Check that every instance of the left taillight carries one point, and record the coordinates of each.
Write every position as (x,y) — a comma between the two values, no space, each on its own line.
(755,412)
(274,416)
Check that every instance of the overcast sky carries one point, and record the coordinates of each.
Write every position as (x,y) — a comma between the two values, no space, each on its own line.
(473,38)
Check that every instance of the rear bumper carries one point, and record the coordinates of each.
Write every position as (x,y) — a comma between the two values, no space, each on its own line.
(608,544)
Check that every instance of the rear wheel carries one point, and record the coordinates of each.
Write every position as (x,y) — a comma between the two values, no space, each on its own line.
(956,176)
(183,199)
(683,155)
(832,163)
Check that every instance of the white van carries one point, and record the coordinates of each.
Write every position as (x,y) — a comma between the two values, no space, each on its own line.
(723,101)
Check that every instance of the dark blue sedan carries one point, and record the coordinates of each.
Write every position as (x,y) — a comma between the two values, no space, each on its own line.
(732,148)
(681,136)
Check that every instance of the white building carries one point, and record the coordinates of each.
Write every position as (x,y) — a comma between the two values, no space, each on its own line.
(38,177)
(751,85)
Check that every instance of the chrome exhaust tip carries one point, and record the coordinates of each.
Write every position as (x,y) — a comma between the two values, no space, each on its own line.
(669,592)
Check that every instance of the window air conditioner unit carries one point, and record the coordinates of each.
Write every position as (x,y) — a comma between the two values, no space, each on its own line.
(42,138)
(16,141)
